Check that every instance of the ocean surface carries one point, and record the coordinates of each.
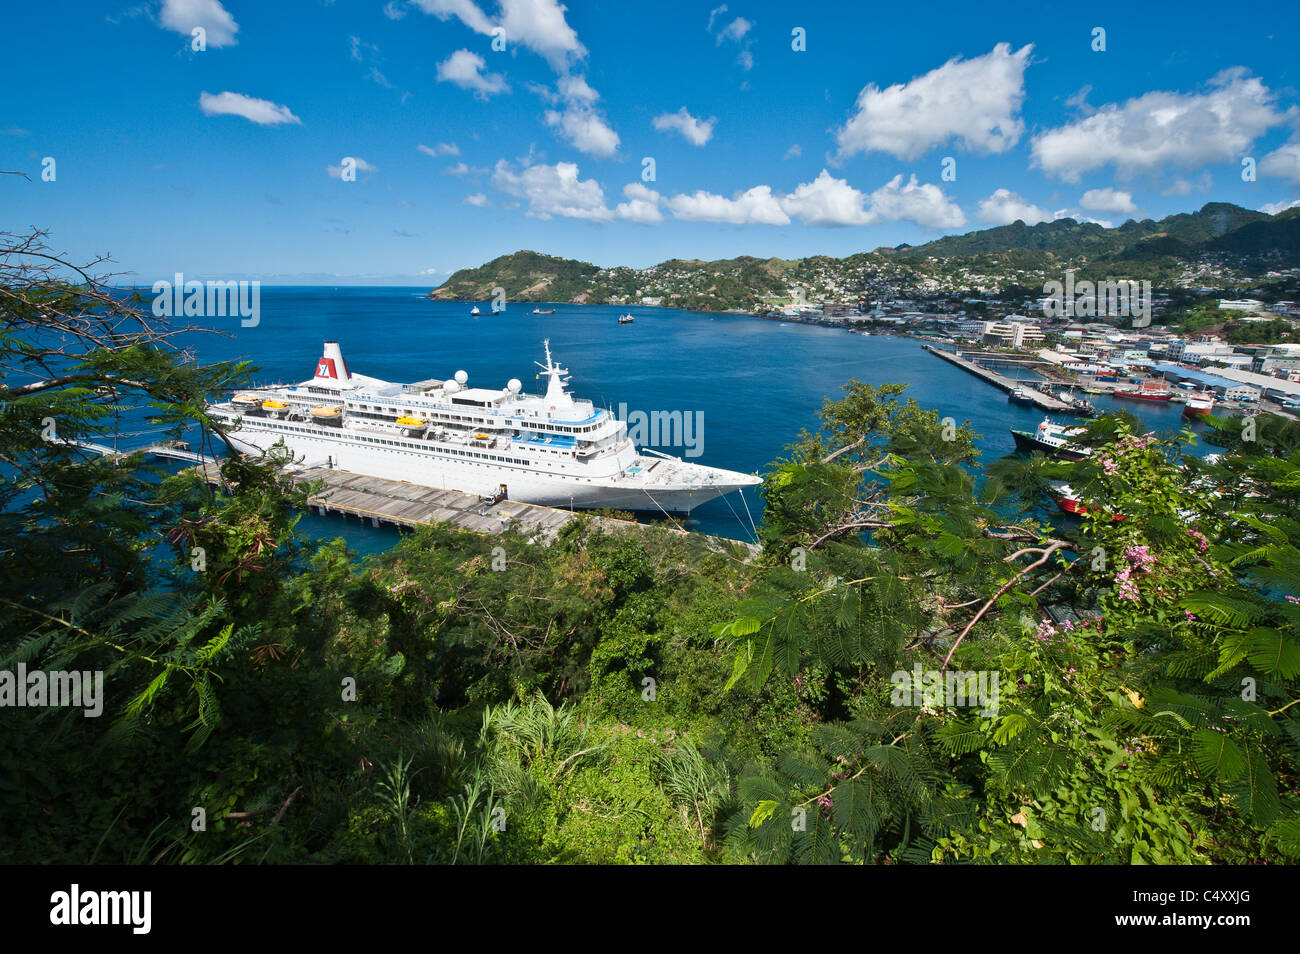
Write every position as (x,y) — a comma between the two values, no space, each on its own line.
(756,382)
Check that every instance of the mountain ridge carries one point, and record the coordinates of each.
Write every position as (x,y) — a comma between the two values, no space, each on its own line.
(1148,248)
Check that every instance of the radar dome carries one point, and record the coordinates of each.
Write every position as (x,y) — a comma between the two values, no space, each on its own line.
(451,387)
(461,377)
(513,385)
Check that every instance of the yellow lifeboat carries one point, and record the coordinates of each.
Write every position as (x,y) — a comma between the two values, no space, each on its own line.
(481,437)
(412,426)
(325,414)
(273,405)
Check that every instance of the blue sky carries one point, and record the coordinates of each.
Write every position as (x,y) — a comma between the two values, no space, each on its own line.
(227,162)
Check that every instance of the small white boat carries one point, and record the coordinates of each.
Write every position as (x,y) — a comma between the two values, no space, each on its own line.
(625,319)
(475,311)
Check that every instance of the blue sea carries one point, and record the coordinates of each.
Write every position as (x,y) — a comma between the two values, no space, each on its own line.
(757,382)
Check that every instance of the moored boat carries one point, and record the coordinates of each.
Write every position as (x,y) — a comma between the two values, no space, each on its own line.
(1021,396)
(1052,439)
(1198,405)
(551,449)
(1147,391)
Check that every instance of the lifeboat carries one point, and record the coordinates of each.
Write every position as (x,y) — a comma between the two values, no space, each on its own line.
(247,403)
(482,437)
(412,426)
(275,408)
(325,414)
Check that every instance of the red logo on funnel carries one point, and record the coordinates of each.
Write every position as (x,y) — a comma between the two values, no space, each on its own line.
(326,369)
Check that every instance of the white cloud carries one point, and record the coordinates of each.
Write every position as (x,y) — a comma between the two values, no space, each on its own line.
(735,30)
(923,204)
(1108,200)
(393,10)
(260,111)
(182,16)
(794,152)
(738,31)
(553,190)
(974,101)
(1283,163)
(574,89)
(538,25)
(1163,128)
(461,169)
(1273,208)
(642,205)
(585,128)
(465,69)
(336,172)
(695,131)
(468,13)
(1004,207)
(826,201)
(578,119)
(476,199)
(756,206)
(441,149)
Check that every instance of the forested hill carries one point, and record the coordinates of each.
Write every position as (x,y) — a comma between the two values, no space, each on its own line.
(525,276)
(1252,243)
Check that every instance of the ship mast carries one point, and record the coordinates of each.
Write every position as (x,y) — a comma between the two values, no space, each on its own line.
(555,393)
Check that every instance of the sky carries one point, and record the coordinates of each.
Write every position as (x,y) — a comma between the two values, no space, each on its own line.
(395,141)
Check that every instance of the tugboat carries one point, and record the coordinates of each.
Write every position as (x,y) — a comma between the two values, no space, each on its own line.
(1021,396)
(1147,391)
(625,319)
(1052,439)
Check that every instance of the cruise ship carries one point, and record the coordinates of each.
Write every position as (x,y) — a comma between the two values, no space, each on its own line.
(551,449)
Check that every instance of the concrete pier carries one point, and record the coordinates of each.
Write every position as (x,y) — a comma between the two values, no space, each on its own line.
(1044,401)
(398,503)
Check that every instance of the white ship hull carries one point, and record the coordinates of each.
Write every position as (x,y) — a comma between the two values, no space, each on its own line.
(523,484)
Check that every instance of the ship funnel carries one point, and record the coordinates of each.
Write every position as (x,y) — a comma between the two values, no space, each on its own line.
(331,365)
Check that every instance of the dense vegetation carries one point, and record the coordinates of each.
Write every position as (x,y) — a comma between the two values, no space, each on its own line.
(641,697)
